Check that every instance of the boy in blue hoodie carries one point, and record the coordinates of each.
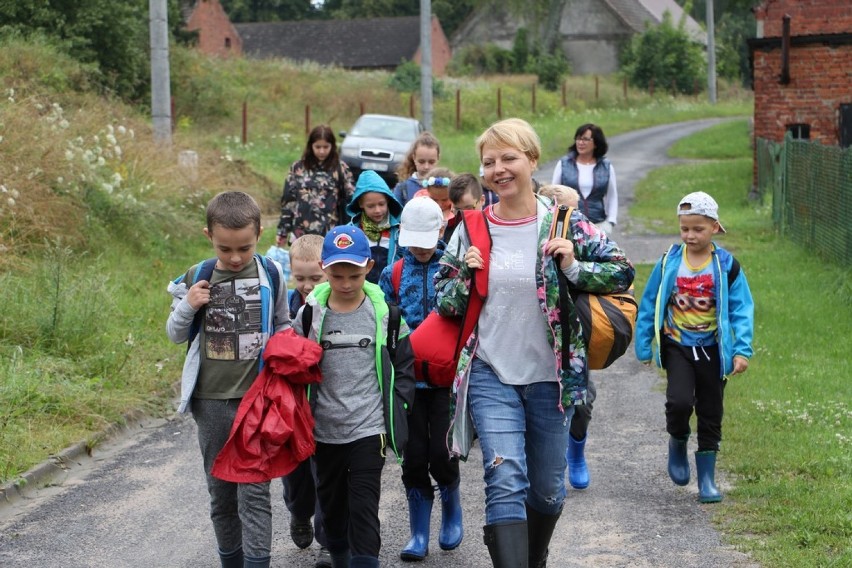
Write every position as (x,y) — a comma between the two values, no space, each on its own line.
(376,211)
(698,312)
(421,225)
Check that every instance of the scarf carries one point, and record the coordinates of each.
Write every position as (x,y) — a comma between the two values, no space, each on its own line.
(374,230)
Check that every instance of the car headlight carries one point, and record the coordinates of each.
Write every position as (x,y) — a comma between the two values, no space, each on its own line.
(349,152)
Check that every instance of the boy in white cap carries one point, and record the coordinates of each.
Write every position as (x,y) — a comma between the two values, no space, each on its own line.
(361,405)
(409,284)
(698,313)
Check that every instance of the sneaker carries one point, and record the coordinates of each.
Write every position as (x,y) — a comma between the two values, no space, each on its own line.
(302,532)
(323,558)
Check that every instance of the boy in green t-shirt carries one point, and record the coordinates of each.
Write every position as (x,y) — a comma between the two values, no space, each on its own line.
(227,321)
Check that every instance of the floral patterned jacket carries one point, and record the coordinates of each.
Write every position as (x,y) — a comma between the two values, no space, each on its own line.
(309,202)
(603,268)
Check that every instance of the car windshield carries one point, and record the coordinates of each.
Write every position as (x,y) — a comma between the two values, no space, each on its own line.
(384,127)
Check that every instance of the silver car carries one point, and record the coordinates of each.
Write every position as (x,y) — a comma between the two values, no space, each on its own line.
(379,142)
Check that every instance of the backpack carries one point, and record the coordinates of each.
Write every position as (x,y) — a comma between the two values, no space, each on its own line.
(204,271)
(607,321)
(438,340)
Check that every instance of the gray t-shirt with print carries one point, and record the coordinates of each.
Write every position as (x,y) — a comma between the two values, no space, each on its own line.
(349,402)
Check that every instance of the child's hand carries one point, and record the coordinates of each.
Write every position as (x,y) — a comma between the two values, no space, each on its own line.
(199,294)
(473,258)
(562,250)
(740,365)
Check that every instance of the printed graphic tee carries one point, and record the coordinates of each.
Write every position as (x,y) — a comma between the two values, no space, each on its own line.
(691,309)
(231,335)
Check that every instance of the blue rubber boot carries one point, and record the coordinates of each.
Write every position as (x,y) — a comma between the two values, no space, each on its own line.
(578,472)
(232,558)
(678,462)
(419,512)
(705,466)
(452,532)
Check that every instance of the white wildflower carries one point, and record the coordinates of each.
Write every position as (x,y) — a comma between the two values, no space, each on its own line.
(101,161)
(63,124)
(3,189)
(89,156)
(116,179)
(15,193)
(121,130)
(109,128)
(69,155)
(1,139)
(132,134)
(11,202)
(60,180)
(39,106)
(117,151)
(107,187)
(111,139)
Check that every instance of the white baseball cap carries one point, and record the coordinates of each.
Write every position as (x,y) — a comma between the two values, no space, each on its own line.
(700,203)
(420,224)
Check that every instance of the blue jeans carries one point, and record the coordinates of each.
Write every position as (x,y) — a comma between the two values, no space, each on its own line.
(523,436)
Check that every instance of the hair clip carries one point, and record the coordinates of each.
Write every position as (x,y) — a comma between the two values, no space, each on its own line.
(436,182)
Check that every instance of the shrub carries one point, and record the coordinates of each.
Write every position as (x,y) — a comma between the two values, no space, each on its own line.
(482,59)
(666,55)
(550,68)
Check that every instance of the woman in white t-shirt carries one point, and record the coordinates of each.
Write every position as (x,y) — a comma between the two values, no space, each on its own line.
(511,385)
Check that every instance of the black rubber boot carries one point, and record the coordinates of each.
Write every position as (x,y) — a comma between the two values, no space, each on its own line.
(231,558)
(540,530)
(507,544)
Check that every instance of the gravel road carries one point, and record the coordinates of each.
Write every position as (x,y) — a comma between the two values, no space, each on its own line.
(140,500)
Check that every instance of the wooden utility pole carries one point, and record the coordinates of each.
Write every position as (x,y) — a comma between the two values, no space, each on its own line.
(161,112)
(426,62)
(711,54)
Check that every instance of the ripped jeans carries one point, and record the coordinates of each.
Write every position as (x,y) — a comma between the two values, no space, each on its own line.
(523,436)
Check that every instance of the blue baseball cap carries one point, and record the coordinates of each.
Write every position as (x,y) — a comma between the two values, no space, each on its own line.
(346,243)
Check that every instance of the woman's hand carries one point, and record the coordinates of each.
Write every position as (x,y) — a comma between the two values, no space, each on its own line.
(473,258)
(562,250)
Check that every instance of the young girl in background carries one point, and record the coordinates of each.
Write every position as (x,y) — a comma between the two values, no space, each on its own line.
(423,155)
(314,186)
(376,211)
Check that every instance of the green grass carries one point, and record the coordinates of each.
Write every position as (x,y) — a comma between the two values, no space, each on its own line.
(787,445)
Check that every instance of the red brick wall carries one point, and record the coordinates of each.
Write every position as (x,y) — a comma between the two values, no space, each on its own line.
(441,51)
(808,17)
(215,30)
(820,75)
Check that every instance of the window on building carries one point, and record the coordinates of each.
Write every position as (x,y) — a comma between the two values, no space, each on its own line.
(800,130)
(845,125)
(227,43)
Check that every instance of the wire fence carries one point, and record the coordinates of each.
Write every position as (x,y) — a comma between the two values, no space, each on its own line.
(811,188)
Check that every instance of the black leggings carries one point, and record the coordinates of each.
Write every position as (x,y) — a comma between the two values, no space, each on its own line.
(694,382)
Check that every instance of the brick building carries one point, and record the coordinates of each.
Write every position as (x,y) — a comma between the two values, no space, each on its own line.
(802,66)
(216,34)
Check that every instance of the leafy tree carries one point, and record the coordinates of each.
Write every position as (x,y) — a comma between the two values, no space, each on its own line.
(112,35)
(665,54)
(451,13)
(520,50)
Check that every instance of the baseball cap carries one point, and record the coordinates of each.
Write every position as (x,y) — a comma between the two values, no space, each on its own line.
(345,243)
(700,203)
(420,223)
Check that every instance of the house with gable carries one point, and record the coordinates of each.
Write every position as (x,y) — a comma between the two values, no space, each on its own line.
(802,70)
(216,33)
(591,32)
(361,43)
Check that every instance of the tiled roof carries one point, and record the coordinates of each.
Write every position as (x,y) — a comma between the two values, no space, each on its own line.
(354,44)
(636,12)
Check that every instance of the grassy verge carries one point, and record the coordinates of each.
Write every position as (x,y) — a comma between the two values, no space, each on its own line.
(787,446)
